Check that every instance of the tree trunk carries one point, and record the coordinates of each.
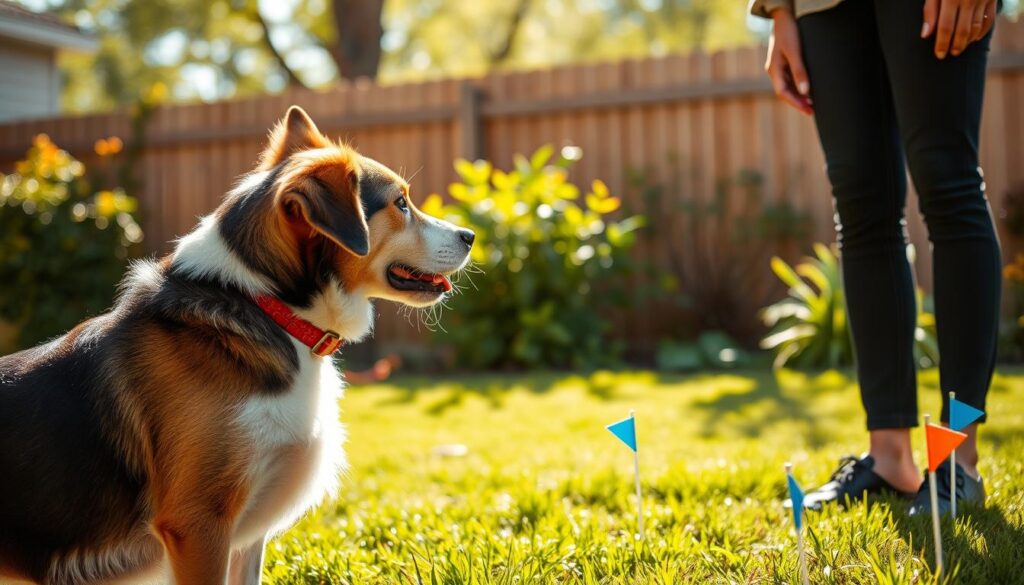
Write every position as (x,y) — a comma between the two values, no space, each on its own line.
(359,29)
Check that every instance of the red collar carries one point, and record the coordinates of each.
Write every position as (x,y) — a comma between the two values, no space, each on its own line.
(321,342)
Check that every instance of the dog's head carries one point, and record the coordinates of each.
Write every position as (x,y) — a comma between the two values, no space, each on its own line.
(317,213)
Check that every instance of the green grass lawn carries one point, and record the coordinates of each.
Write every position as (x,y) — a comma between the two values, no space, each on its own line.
(543,493)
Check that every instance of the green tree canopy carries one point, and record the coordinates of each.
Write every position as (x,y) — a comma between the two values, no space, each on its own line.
(183,50)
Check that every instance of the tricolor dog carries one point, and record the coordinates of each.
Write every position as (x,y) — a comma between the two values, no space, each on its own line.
(166,440)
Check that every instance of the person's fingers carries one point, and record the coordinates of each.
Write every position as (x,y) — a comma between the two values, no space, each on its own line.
(783,88)
(962,33)
(978,21)
(945,28)
(799,74)
(991,8)
(791,93)
(778,79)
(930,15)
(794,99)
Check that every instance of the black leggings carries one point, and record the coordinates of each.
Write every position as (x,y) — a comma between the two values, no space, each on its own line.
(879,93)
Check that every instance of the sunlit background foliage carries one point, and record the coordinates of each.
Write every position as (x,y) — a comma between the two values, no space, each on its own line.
(213,49)
(65,245)
(549,263)
(810,329)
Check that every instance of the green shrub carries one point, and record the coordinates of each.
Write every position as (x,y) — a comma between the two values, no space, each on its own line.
(64,246)
(711,350)
(810,330)
(550,261)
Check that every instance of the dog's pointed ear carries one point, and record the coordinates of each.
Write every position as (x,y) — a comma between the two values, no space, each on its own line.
(295,132)
(327,201)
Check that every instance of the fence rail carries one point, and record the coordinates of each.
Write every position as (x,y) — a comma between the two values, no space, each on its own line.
(701,117)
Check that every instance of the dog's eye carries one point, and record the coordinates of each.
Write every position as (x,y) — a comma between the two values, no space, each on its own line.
(401,204)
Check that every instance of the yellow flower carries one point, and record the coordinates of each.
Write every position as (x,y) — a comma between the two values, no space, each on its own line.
(433,205)
(602,204)
(106,203)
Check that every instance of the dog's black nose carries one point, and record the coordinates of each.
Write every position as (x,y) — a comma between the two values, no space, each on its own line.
(467,236)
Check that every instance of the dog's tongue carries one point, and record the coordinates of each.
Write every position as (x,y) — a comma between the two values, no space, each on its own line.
(443,281)
(438,279)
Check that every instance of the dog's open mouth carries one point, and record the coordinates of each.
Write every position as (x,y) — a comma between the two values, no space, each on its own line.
(404,277)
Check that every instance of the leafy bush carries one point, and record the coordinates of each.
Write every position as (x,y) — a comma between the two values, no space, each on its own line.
(809,329)
(712,349)
(64,247)
(550,259)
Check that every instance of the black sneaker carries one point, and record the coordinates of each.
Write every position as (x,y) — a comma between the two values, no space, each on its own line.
(854,479)
(968,491)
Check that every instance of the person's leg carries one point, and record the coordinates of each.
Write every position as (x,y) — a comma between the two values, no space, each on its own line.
(857,126)
(938,105)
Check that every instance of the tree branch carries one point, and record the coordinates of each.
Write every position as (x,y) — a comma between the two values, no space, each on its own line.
(504,50)
(293,79)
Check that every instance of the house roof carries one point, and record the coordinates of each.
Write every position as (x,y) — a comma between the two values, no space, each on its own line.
(41,28)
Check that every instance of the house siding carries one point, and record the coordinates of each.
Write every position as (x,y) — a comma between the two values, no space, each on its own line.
(29,81)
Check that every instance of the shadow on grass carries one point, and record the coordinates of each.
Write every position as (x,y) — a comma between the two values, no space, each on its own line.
(983,547)
(999,437)
(449,391)
(769,401)
(752,399)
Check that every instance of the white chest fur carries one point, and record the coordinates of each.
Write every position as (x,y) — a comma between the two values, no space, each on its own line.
(296,441)
(295,436)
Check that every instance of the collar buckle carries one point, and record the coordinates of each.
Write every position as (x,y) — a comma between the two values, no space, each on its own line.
(327,345)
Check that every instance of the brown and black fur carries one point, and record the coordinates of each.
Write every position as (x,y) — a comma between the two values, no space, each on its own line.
(65,405)
(118,449)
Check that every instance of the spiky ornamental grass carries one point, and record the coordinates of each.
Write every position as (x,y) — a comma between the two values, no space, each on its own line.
(544,493)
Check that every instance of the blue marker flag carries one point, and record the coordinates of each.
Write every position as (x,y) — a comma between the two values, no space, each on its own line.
(625,430)
(961,415)
(796,495)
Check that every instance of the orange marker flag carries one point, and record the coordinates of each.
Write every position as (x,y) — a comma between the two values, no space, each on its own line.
(941,442)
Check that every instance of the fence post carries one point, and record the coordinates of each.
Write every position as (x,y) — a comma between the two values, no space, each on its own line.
(469,120)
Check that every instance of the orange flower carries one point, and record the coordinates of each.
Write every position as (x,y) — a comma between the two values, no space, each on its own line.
(1014,272)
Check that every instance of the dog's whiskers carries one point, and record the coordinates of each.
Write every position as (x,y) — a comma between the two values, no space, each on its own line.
(432,320)
(407,311)
(409,179)
(466,272)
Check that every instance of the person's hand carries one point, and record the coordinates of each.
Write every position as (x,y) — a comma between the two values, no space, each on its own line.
(957,23)
(785,66)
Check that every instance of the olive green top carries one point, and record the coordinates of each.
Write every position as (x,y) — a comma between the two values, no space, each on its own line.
(799,7)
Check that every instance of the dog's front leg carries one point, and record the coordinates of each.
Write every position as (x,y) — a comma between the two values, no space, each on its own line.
(247,565)
(199,549)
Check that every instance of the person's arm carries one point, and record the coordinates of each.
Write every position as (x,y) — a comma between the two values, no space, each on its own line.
(785,65)
(764,8)
(957,23)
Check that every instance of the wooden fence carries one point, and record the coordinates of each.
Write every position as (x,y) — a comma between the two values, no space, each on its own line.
(707,115)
